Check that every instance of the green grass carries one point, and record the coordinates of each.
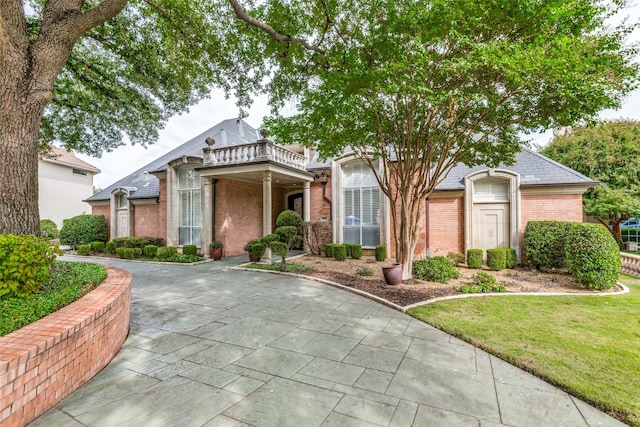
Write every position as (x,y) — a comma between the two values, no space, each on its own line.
(588,346)
(69,281)
(290,268)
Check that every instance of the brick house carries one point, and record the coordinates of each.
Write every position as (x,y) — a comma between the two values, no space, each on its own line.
(230,183)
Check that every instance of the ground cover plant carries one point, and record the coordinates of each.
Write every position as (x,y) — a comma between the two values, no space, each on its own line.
(68,282)
(290,268)
(585,345)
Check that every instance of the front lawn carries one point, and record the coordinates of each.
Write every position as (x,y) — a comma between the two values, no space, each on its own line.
(588,346)
(69,281)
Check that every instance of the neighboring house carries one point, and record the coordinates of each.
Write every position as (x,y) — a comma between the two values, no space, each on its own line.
(229,184)
(64,181)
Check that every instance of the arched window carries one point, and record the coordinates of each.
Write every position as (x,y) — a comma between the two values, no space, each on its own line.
(361,220)
(190,199)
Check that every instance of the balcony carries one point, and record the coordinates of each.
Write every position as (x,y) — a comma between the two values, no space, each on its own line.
(257,152)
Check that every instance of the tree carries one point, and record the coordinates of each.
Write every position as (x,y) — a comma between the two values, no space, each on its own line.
(608,152)
(96,74)
(415,87)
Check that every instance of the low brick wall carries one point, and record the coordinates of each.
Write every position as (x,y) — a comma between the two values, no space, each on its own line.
(46,361)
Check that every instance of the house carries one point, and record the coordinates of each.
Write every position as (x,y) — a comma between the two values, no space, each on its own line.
(230,183)
(64,181)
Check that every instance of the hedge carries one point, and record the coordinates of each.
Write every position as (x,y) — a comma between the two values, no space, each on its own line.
(83,229)
(97,247)
(166,252)
(340,252)
(150,251)
(474,258)
(189,249)
(544,243)
(593,256)
(436,269)
(83,250)
(381,252)
(497,259)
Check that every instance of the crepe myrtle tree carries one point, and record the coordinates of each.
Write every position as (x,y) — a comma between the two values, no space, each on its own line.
(414,88)
(93,74)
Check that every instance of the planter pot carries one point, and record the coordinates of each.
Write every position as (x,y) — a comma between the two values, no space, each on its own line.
(215,253)
(392,274)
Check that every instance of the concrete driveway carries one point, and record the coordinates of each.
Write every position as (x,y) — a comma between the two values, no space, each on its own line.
(210,346)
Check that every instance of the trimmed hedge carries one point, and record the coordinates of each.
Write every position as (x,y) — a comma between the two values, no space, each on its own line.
(356,251)
(328,249)
(189,249)
(110,247)
(592,254)
(48,229)
(340,252)
(544,243)
(83,250)
(512,259)
(436,269)
(166,252)
(257,250)
(25,261)
(83,229)
(150,251)
(381,252)
(474,258)
(137,242)
(497,259)
(97,247)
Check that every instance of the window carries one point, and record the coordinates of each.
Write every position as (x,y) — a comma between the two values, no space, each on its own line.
(491,190)
(361,222)
(190,208)
(79,172)
(122,201)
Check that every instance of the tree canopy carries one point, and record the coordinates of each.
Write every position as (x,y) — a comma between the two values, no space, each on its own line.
(416,87)
(607,152)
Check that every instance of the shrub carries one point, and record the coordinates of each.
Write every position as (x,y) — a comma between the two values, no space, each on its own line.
(164,253)
(482,282)
(497,259)
(213,245)
(137,242)
(249,245)
(190,249)
(84,229)
(120,252)
(474,258)
(435,269)
(267,239)
(97,247)
(456,258)
(110,247)
(137,252)
(280,249)
(24,264)
(356,251)
(511,258)
(289,218)
(340,252)
(364,272)
(544,243)
(290,225)
(593,256)
(184,258)
(381,253)
(328,249)
(48,229)
(83,250)
(317,234)
(150,251)
(258,249)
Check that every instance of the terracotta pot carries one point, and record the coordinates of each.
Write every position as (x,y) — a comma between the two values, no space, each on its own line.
(215,253)
(392,274)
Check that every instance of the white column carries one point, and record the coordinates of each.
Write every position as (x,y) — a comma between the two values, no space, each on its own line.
(266,208)
(207,209)
(306,201)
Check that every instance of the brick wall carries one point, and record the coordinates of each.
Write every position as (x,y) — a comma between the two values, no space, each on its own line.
(320,207)
(46,361)
(238,214)
(446,225)
(162,211)
(147,222)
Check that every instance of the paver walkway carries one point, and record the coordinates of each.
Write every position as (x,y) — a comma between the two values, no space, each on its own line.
(210,346)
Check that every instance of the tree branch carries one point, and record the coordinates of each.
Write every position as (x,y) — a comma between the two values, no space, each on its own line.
(281,38)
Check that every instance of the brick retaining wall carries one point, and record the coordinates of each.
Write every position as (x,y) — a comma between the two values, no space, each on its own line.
(46,361)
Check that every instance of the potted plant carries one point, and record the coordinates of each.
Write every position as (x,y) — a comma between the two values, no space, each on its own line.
(215,250)
(248,247)
(392,274)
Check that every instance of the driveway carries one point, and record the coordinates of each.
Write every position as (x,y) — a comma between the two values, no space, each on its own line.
(210,346)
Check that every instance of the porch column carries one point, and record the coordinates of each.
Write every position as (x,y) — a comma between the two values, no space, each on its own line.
(266,208)
(207,208)
(306,201)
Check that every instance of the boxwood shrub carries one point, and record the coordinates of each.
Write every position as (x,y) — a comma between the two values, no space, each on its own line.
(497,259)
(435,269)
(83,229)
(189,249)
(83,250)
(328,249)
(340,252)
(381,253)
(512,259)
(593,256)
(356,251)
(474,258)
(544,243)
(97,247)
(150,251)
(25,261)
(110,247)
(166,252)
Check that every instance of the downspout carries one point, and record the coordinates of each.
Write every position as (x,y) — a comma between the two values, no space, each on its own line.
(213,209)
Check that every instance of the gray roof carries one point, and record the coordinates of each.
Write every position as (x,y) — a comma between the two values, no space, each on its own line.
(534,169)
(146,186)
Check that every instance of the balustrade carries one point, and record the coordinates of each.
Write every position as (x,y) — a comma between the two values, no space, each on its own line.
(255,152)
(630,264)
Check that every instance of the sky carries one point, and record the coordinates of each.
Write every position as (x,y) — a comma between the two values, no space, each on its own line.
(181,128)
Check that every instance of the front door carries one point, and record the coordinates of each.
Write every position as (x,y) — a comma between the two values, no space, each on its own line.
(491,226)
(123,223)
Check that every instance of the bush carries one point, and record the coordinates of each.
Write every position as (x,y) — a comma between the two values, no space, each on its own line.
(84,250)
(381,252)
(189,249)
(593,256)
(356,251)
(435,269)
(249,245)
(84,229)
(110,247)
(24,264)
(456,258)
(290,225)
(184,258)
(511,258)
(150,251)
(544,243)
(329,249)
(137,242)
(340,252)
(48,229)
(97,247)
(164,253)
(267,239)
(474,258)
(280,249)
(497,259)
(289,218)
(482,282)
(258,249)
(364,272)
(126,253)
(137,252)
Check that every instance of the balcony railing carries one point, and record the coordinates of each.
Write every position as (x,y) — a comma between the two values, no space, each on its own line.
(260,151)
(630,264)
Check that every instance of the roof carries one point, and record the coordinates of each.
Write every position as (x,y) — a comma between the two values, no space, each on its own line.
(66,157)
(227,133)
(534,169)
